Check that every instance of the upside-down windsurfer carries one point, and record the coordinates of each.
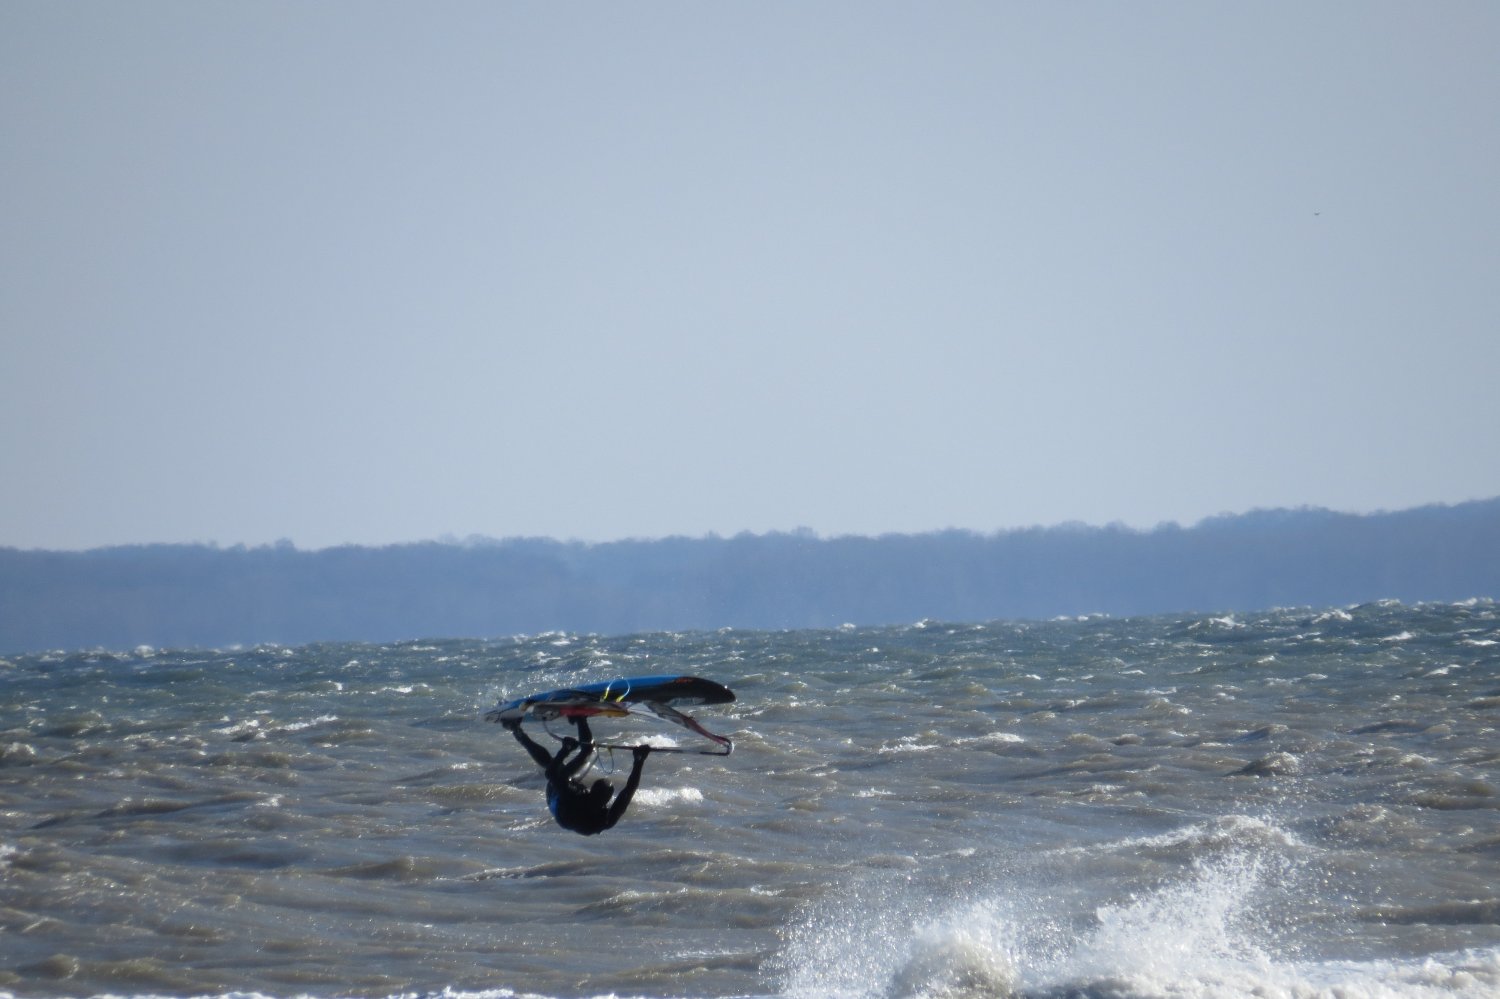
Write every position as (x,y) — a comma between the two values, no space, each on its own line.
(585,810)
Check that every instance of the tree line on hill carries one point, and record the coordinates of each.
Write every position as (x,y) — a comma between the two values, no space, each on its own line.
(207,596)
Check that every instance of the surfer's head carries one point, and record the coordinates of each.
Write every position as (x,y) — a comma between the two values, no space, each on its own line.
(600,792)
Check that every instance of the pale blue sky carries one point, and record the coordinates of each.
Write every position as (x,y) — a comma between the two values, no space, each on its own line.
(374,272)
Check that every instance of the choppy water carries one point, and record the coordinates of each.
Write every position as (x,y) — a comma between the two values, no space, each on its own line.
(1296,803)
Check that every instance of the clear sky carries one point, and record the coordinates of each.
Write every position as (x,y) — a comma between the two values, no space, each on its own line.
(375,272)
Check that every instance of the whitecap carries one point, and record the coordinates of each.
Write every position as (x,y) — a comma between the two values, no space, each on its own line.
(657,797)
(302,725)
(1229,831)
(241,731)
(907,744)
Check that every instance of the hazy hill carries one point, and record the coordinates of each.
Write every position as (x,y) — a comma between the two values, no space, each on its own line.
(194,595)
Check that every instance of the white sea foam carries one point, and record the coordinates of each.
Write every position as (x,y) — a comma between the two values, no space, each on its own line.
(1229,832)
(659,797)
(246,729)
(310,723)
(908,744)
(1002,738)
(13,753)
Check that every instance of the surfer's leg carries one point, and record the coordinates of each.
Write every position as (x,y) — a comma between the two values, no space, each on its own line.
(541,756)
(558,768)
(564,771)
(570,770)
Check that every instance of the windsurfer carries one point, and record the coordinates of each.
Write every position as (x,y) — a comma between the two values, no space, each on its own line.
(584,810)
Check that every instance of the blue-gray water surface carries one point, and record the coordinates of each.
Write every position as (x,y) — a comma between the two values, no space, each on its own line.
(1295,803)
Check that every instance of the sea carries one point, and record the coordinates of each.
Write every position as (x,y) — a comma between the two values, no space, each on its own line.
(1292,803)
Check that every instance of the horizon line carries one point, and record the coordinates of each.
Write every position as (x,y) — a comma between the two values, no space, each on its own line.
(476,540)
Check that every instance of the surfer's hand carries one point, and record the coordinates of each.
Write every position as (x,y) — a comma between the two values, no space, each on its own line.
(640,753)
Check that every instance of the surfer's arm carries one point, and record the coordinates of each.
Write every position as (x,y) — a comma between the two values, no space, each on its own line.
(622,800)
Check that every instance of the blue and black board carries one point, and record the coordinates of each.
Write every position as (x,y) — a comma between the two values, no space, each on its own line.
(659,696)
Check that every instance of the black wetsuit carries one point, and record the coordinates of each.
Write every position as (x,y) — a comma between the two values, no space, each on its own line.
(584,810)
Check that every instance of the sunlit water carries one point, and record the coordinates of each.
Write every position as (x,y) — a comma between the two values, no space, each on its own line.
(1296,804)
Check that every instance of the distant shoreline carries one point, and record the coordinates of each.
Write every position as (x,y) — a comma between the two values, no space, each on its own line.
(202,595)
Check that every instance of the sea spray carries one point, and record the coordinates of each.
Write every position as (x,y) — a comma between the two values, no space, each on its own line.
(1205,928)
(891,938)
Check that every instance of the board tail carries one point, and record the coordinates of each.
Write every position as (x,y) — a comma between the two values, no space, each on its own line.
(691,724)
